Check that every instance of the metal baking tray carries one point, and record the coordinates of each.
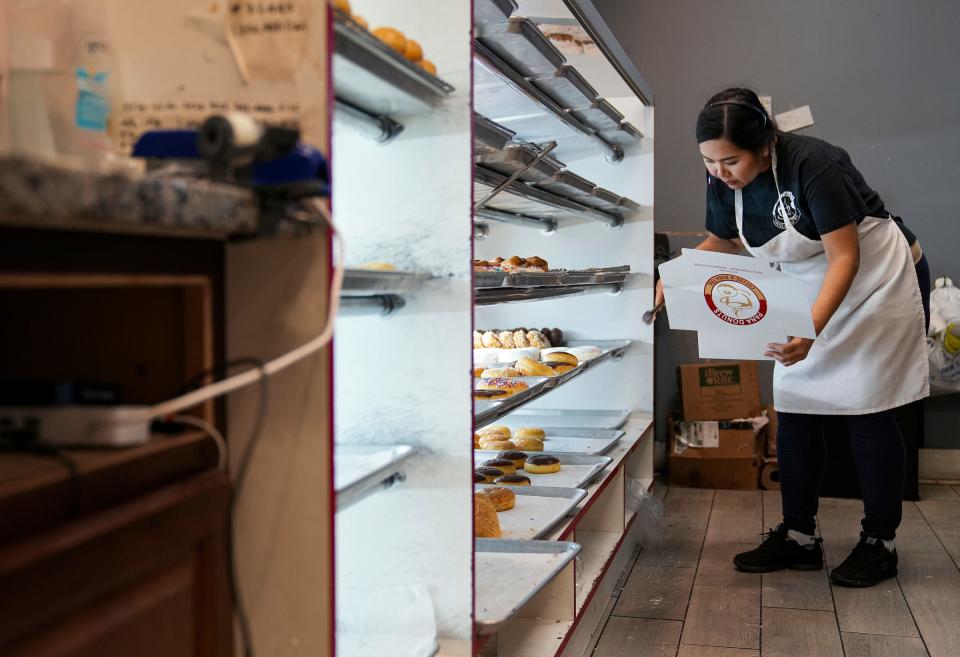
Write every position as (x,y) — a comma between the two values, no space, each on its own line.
(601,116)
(605,275)
(492,11)
(603,199)
(611,349)
(484,279)
(628,204)
(532,201)
(625,133)
(537,509)
(361,470)
(489,136)
(517,157)
(568,88)
(566,183)
(372,76)
(534,278)
(371,281)
(576,469)
(565,440)
(554,418)
(532,564)
(521,44)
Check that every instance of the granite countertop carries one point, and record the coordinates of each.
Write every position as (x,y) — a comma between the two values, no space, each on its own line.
(43,195)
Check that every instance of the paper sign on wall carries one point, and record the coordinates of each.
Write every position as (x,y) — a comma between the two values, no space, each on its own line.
(268,39)
(737,304)
(794,119)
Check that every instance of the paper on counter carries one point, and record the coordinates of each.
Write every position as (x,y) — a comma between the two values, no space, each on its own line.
(398,621)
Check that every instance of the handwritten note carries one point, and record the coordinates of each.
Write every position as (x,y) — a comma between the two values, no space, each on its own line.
(268,39)
(136,117)
(795,119)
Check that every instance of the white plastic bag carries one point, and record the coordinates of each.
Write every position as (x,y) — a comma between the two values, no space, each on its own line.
(943,343)
(649,510)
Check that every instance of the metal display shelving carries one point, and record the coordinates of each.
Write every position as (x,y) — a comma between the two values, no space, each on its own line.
(486,412)
(362,470)
(368,291)
(373,82)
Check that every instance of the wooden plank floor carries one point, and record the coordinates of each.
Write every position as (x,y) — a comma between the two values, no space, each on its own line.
(682,596)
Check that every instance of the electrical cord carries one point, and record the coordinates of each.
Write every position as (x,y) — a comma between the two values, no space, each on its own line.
(232,383)
(211,431)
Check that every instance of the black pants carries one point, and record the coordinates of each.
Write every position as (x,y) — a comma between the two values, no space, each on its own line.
(878,451)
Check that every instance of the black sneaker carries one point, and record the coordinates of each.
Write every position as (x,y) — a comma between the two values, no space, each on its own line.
(869,564)
(777,552)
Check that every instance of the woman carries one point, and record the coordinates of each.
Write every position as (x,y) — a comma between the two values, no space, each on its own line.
(799,202)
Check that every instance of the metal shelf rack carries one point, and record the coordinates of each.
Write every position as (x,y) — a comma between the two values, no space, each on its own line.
(373,82)
(362,470)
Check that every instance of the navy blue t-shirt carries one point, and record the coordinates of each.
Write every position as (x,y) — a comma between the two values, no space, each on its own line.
(820,189)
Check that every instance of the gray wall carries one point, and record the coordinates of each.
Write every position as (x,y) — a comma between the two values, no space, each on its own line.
(881,77)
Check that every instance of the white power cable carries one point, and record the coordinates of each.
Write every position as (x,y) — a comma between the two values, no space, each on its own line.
(249,377)
(212,431)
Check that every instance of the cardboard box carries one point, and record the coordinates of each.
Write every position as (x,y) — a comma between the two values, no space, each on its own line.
(770,475)
(713,454)
(735,474)
(720,390)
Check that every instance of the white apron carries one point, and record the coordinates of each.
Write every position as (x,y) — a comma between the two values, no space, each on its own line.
(871,356)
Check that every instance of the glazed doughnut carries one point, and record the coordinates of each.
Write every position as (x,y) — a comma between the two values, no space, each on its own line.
(506,339)
(530,432)
(531,367)
(513,455)
(476,441)
(508,467)
(498,429)
(542,464)
(539,263)
(477,339)
(478,372)
(500,373)
(520,339)
(513,480)
(560,358)
(485,522)
(502,499)
(490,340)
(528,444)
(563,368)
(496,444)
(489,474)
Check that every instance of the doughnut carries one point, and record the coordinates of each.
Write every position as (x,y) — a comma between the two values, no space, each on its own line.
(513,480)
(500,373)
(527,444)
(498,388)
(478,372)
(542,464)
(476,441)
(539,263)
(502,499)
(530,432)
(490,340)
(513,455)
(506,339)
(536,339)
(531,367)
(498,429)
(477,340)
(520,339)
(485,522)
(560,358)
(479,478)
(563,368)
(508,467)
(490,473)
(496,444)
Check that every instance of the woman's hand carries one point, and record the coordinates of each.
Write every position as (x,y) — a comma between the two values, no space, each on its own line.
(790,353)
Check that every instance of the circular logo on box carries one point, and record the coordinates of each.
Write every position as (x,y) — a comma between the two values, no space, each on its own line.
(735,300)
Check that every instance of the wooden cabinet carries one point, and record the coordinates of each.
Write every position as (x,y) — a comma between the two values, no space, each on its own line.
(146,577)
